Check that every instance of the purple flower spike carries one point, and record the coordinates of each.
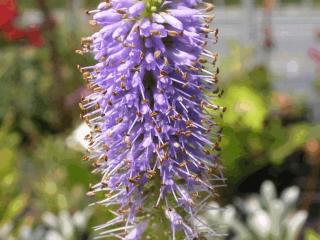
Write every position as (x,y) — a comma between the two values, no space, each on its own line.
(148,114)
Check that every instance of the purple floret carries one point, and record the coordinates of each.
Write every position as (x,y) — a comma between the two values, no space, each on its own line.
(148,112)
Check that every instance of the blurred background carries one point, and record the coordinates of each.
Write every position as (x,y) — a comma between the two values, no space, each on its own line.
(269,59)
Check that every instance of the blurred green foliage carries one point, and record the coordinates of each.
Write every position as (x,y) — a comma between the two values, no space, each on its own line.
(260,2)
(311,235)
(261,127)
(39,172)
(54,3)
(12,202)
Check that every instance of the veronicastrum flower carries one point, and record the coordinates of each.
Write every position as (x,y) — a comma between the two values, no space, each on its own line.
(148,113)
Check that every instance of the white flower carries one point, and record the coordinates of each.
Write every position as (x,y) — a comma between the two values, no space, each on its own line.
(77,139)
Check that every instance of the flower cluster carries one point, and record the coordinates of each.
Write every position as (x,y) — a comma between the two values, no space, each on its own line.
(148,113)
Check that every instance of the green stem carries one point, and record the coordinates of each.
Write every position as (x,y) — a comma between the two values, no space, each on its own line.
(151,6)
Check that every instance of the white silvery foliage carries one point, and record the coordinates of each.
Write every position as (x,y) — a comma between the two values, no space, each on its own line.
(64,226)
(25,233)
(5,230)
(261,217)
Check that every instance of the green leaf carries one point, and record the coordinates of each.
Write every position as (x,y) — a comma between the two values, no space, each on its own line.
(296,136)
(245,107)
(232,149)
(310,234)
(16,206)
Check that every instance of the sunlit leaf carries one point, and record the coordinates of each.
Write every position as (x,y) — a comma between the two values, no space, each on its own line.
(16,206)
(245,107)
(295,138)
(311,235)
